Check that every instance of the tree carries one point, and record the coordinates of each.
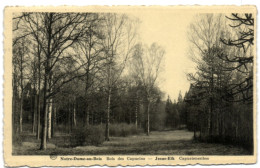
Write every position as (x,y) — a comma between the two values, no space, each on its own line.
(240,60)
(205,49)
(168,110)
(120,33)
(20,58)
(180,97)
(211,80)
(147,65)
(89,54)
(55,33)
(222,80)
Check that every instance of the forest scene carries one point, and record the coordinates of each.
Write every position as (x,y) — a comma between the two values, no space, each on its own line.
(124,83)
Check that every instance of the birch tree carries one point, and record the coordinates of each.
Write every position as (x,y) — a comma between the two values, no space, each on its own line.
(120,37)
(147,64)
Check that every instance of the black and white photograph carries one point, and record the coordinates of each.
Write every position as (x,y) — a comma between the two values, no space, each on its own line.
(133,82)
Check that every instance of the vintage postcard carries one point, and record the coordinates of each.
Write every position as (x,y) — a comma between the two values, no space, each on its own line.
(129,85)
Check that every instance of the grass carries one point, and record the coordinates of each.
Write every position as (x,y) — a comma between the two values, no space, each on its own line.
(178,142)
(124,130)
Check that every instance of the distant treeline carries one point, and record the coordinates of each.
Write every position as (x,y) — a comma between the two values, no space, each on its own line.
(69,111)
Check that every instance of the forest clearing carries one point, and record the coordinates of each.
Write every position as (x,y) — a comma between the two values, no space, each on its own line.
(92,84)
(178,142)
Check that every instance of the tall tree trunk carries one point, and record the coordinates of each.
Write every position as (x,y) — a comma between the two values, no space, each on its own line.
(45,116)
(45,86)
(32,110)
(223,126)
(35,113)
(209,121)
(87,115)
(148,119)
(49,119)
(92,117)
(69,120)
(53,120)
(38,115)
(108,102)
(14,107)
(108,113)
(22,96)
(38,95)
(21,114)
(211,103)
(71,117)
(136,112)
(74,115)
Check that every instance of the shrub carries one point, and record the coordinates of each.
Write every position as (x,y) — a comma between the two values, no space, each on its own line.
(123,130)
(17,139)
(91,135)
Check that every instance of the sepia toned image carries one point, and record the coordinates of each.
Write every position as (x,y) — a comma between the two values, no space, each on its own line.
(130,85)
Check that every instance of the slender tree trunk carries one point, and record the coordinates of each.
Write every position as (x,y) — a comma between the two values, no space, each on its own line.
(74,115)
(35,113)
(38,111)
(38,115)
(71,117)
(108,112)
(21,114)
(45,116)
(211,103)
(211,118)
(108,102)
(38,95)
(148,119)
(53,120)
(92,118)
(86,96)
(69,120)
(223,127)
(136,113)
(14,107)
(44,129)
(49,119)
(22,96)
(32,111)
(209,121)
(130,117)
(87,115)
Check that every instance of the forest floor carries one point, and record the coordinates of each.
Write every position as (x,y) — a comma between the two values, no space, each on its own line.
(178,142)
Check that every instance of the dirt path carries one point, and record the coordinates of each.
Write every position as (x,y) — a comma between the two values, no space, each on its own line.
(158,143)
